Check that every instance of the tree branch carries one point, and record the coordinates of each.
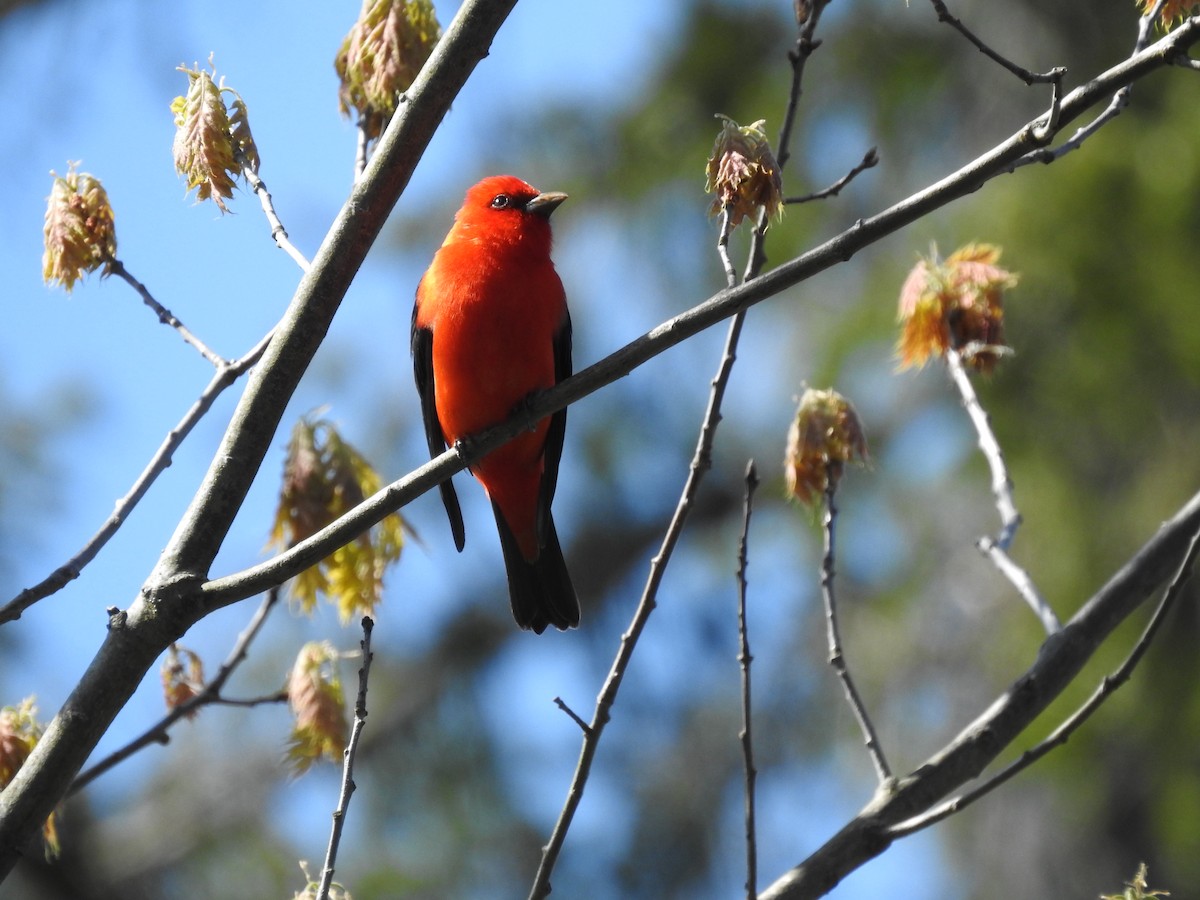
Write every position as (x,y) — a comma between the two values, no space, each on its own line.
(348,786)
(226,375)
(165,316)
(837,658)
(1059,660)
(701,463)
(160,732)
(1060,735)
(744,660)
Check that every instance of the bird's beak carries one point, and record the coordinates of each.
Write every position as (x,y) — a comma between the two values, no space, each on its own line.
(545,203)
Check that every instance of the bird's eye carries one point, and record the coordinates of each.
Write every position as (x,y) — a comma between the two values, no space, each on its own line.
(501,201)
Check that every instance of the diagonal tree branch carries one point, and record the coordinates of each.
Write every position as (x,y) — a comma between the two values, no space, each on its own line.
(1058,662)
(226,375)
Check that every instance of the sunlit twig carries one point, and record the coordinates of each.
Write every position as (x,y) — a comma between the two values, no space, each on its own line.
(227,374)
(348,786)
(116,267)
(278,232)
(996,549)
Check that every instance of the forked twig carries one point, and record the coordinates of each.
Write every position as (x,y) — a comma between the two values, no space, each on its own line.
(211,694)
(996,549)
(1119,101)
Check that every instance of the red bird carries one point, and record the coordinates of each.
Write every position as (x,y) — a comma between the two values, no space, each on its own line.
(490,327)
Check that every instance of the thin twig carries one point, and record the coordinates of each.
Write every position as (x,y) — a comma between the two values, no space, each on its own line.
(723,248)
(278,232)
(837,658)
(226,375)
(361,153)
(572,715)
(869,161)
(165,316)
(701,463)
(798,57)
(744,660)
(348,786)
(996,549)
(1107,687)
(1054,76)
(211,694)
(1116,105)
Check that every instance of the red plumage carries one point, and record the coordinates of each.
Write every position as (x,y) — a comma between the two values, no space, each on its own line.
(490,327)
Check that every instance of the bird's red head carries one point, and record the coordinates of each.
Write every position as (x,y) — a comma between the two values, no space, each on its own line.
(505,209)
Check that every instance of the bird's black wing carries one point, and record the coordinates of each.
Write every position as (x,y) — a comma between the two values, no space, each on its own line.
(422,354)
(556,432)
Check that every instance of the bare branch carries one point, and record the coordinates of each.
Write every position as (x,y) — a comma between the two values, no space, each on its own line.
(798,56)
(1058,663)
(996,549)
(572,715)
(348,786)
(723,249)
(744,660)
(278,232)
(869,161)
(701,463)
(226,375)
(837,658)
(1120,99)
(160,733)
(165,316)
(1054,76)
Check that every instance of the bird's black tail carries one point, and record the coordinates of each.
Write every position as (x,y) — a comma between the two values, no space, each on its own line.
(540,592)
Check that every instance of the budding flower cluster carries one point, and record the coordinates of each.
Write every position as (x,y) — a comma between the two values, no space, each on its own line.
(213,142)
(742,172)
(381,56)
(19,733)
(955,305)
(1172,12)
(324,477)
(314,691)
(79,233)
(182,677)
(826,433)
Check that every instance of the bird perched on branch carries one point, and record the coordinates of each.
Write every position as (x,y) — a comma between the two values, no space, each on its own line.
(490,328)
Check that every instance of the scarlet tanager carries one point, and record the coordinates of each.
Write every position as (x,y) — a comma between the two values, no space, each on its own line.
(490,327)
